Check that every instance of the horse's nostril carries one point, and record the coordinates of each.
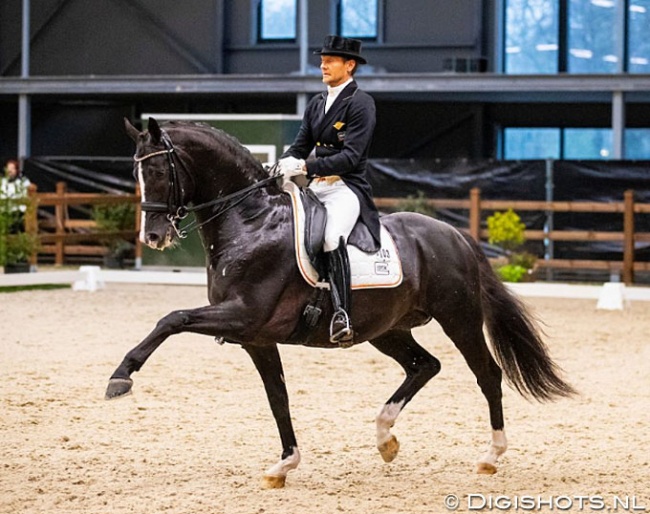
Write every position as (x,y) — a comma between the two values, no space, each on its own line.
(152,237)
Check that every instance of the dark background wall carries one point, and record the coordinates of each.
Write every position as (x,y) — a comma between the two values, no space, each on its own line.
(217,37)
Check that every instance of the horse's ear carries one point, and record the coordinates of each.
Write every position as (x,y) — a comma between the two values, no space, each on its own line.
(131,130)
(154,131)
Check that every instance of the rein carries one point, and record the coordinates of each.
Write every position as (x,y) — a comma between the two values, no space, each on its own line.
(176,210)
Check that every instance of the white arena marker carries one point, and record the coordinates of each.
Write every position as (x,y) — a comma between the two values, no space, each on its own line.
(612,296)
(92,280)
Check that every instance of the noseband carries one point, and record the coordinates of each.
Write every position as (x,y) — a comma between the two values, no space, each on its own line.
(175,209)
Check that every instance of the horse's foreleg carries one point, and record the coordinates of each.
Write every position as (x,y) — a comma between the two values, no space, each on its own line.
(268,364)
(214,320)
(420,366)
(120,382)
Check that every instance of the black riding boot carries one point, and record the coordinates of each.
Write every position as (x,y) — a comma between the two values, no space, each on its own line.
(339,277)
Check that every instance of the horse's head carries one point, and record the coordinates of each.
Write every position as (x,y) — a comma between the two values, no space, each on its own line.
(164,184)
(203,170)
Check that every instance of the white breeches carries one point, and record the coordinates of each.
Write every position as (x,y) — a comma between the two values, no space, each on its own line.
(342,209)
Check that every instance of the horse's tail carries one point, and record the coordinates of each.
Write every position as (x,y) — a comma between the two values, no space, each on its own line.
(516,338)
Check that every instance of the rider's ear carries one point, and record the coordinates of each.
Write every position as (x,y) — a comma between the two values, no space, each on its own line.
(132,132)
(154,131)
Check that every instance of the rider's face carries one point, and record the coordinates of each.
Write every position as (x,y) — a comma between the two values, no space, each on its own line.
(336,69)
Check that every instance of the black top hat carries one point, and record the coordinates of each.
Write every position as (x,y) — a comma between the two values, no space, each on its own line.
(343,46)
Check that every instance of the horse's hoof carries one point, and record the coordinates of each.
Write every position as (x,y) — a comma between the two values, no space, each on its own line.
(273,482)
(389,449)
(485,468)
(118,387)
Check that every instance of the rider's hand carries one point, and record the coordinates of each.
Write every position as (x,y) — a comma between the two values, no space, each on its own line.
(291,167)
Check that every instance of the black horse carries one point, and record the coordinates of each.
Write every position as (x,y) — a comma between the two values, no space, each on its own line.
(257,294)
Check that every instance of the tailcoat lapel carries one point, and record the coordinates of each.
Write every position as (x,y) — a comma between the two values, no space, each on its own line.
(334,113)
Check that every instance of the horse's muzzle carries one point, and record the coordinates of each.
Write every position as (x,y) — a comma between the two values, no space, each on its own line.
(157,240)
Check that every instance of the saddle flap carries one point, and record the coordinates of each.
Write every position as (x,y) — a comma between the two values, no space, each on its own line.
(315,221)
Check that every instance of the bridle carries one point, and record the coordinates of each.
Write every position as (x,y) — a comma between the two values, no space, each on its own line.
(175,209)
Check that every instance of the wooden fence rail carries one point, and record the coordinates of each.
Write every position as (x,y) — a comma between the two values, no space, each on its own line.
(478,208)
(68,233)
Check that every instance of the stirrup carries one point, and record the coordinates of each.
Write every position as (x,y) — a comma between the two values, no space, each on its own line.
(344,336)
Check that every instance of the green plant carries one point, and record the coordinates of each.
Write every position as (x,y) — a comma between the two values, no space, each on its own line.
(114,217)
(416,203)
(110,219)
(526,260)
(506,230)
(16,246)
(511,272)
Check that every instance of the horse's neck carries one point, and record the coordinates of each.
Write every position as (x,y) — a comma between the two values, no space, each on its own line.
(244,226)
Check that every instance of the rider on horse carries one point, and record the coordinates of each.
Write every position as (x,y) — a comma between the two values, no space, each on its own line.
(339,125)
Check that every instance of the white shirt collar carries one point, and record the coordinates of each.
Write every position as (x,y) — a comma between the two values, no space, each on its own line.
(336,90)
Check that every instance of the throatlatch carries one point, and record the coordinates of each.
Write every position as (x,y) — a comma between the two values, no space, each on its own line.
(340,287)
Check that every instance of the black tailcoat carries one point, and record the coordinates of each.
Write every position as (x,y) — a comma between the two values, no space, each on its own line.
(342,138)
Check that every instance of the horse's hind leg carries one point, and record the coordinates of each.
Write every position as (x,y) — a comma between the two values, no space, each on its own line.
(467,334)
(420,366)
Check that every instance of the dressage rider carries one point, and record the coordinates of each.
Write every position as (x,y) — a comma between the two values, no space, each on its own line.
(339,126)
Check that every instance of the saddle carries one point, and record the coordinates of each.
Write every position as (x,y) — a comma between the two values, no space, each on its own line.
(370,267)
(314,232)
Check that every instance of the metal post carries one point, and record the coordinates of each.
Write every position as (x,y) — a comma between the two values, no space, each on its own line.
(618,125)
(304,39)
(548,224)
(24,101)
(618,97)
(301,99)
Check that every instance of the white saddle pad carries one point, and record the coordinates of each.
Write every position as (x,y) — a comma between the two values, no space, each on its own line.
(368,270)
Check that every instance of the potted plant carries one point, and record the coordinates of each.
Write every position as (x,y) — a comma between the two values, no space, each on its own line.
(16,246)
(111,221)
(506,230)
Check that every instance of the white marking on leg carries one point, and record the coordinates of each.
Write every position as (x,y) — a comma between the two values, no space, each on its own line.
(142,200)
(285,465)
(386,419)
(498,447)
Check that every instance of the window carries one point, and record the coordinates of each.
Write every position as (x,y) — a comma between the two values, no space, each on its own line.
(592,30)
(358,18)
(521,143)
(531,143)
(575,36)
(531,36)
(638,41)
(637,144)
(587,143)
(277,20)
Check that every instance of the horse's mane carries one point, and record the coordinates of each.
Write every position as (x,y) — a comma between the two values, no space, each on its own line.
(230,144)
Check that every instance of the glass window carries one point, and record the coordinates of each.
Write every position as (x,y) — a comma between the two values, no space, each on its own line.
(638,41)
(520,143)
(592,30)
(587,143)
(531,39)
(531,143)
(277,19)
(637,144)
(533,44)
(358,18)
